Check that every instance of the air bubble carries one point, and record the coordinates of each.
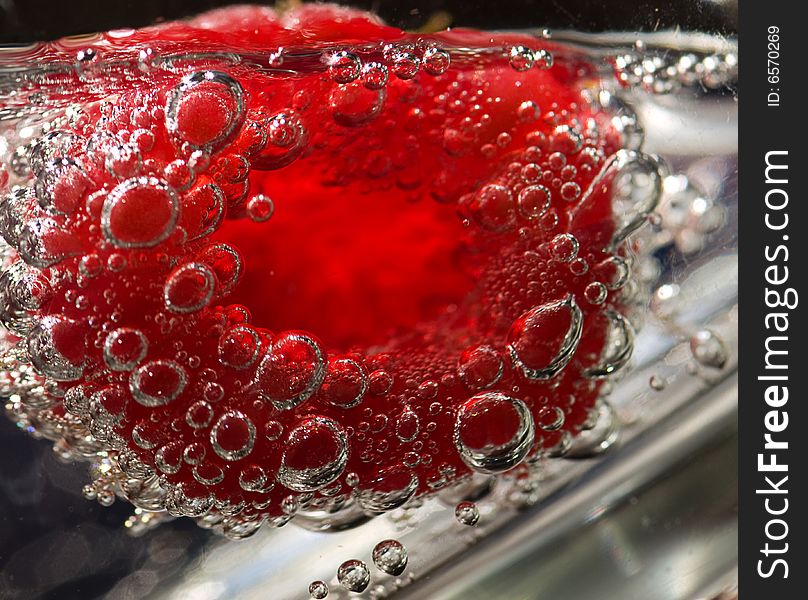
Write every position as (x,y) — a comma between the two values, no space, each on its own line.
(533,201)
(344,66)
(124,348)
(467,513)
(254,479)
(239,346)
(390,556)
(260,208)
(199,415)
(233,435)
(286,141)
(521,58)
(189,288)
(139,213)
(61,186)
(596,293)
(492,208)
(708,349)
(315,455)
(345,383)
(374,76)
(354,105)
(407,425)
(157,383)
(480,367)
(404,65)
(618,347)
(493,432)
(542,341)
(353,575)
(205,109)
(436,60)
(292,370)
(390,488)
(318,590)
(57,347)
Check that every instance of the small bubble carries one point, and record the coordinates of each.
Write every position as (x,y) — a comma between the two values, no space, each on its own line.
(374,76)
(318,590)
(353,575)
(390,556)
(521,58)
(344,66)
(657,383)
(708,349)
(467,514)
(436,60)
(260,208)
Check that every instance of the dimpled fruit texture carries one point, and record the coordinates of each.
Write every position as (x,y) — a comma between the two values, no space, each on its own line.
(307,264)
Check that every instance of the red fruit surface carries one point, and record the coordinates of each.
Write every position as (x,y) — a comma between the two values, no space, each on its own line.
(415,308)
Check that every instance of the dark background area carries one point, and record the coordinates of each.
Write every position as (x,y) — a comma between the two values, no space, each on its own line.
(29,20)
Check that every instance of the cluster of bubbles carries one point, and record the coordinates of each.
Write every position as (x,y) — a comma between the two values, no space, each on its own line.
(389,556)
(663,72)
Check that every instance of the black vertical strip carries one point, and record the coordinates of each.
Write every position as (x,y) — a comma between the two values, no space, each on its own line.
(774,268)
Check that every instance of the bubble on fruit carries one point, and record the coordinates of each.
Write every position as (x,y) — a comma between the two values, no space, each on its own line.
(260,208)
(124,348)
(53,146)
(123,161)
(43,242)
(379,382)
(286,141)
(493,208)
(343,66)
(254,479)
(390,488)
(550,418)
(467,513)
(169,458)
(189,288)
(613,272)
(239,347)
(233,435)
(292,370)
(315,455)
(158,382)
(353,105)
(542,341)
(345,383)
(208,473)
(318,590)
(596,293)
(61,186)
(533,201)
(708,349)
(521,58)
(57,348)
(390,556)
(353,575)
(407,425)
(480,367)
(657,382)
(225,262)
(374,75)
(618,347)
(22,289)
(564,247)
(404,65)
(205,109)
(543,59)
(199,415)
(493,432)
(203,209)
(435,60)
(139,213)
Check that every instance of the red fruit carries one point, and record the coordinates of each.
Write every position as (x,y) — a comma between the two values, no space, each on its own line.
(412,300)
